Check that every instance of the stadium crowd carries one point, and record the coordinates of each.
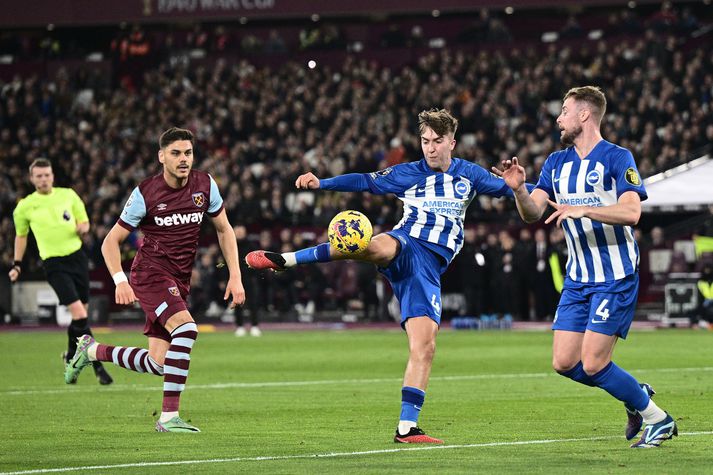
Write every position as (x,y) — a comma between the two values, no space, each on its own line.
(258,127)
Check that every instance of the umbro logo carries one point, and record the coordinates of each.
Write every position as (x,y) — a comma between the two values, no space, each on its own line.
(161,206)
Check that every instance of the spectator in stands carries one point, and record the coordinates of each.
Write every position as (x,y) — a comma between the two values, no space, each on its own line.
(505,286)
(498,32)
(251,283)
(393,37)
(543,290)
(524,264)
(472,273)
(665,19)
(197,38)
(220,42)
(704,313)
(571,29)
(477,31)
(657,238)
(275,44)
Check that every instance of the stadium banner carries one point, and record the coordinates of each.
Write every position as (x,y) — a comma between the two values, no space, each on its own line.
(92,12)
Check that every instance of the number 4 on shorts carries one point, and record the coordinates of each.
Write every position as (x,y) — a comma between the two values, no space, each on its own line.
(602,311)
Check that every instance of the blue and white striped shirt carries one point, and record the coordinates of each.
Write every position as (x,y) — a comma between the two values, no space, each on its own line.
(434,203)
(598,252)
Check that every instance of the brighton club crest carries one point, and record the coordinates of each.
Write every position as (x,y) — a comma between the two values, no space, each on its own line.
(198,199)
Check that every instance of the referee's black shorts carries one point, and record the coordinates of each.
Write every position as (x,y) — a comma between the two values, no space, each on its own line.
(69,277)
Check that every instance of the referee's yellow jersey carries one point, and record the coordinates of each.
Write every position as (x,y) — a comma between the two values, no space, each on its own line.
(53,219)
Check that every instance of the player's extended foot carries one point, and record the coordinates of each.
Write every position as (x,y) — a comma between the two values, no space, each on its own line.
(79,361)
(634,421)
(415,436)
(175,424)
(63,355)
(102,375)
(655,434)
(265,260)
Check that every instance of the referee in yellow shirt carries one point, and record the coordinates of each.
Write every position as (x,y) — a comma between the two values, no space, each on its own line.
(57,218)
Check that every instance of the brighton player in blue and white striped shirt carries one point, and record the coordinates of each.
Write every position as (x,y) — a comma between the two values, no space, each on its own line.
(436,191)
(596,192)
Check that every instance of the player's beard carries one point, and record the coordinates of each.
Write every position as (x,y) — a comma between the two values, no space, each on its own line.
(568,138)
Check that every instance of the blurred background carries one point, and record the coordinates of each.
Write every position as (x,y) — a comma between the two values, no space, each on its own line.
(274,88)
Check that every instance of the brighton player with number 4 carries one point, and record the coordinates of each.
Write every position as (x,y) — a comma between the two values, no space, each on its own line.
(596,192)
(169,209)
(436,192)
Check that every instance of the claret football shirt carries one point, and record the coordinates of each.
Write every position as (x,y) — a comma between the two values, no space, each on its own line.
(170,220)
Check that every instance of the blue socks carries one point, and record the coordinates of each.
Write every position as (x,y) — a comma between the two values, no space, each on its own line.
(622,386)
(318,253)
(577,374)
(613,380)
(411,403)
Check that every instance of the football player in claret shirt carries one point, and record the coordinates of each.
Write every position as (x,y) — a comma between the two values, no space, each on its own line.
(436,192)
(596,192)
(169,209)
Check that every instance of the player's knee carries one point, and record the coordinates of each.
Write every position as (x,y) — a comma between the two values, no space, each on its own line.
(562,365)
(592,366)
(381,250)
(77,309)
(158,357)
(423,351)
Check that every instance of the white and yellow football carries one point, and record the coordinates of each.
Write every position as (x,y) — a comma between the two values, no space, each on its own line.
(350,232)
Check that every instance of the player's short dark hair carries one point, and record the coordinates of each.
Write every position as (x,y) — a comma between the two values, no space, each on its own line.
(173,134)
(439,120)
(592,95)
(40,163)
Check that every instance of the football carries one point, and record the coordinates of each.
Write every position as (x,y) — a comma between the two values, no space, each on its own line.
(350,232)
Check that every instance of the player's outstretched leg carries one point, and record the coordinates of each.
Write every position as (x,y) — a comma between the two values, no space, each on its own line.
(175,369)
(659,425)
(90,351)
(635,421)
(76,329)
(260,260)
(80,360)
(278,262)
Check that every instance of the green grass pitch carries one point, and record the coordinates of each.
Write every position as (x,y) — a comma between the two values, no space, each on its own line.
(328,402)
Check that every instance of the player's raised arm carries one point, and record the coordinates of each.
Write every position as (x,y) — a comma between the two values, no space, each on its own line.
(626,211)
(531,206)
(112,257)
(229,247)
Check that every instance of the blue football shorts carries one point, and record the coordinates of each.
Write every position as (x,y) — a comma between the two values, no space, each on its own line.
(415,277)
(606,307)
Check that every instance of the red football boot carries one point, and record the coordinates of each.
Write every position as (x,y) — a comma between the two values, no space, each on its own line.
(265,260)
(415,436)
